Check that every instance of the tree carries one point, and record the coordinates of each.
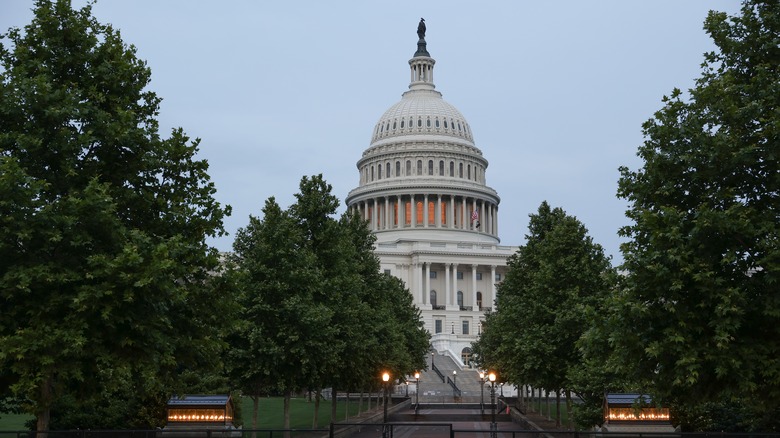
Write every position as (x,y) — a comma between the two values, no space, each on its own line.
(104,268)
(552,283)
(304,271)
(282,327)
(699,318)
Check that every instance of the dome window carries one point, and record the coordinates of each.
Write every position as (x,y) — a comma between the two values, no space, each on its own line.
(379,172)
(437,122)
(402,123)
(452,166)
(411,122)
(419,122)
(445,123)
(428,123)
(419,167)
(387,173)
(458,125)
(398,164)
(441,168)
(430,167)
(394,125)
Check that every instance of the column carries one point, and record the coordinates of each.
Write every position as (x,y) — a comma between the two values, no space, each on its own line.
(437,212)
(454,292)
(474,285)
(473,209)
(425,210)
(451,223)
(446,284)
(387,213)
(492,301)
(401,217)
(483,219)
(427,283)
(417,281)
(414,211)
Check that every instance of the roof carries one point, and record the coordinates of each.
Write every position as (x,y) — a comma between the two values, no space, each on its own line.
(199,400)
(627,398)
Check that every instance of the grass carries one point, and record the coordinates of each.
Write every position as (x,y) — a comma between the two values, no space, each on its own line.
(14,421)
(270,414)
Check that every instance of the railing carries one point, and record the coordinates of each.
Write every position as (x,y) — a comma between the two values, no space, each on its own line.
(436,369)
(435,307)
(455,390)
(466,308)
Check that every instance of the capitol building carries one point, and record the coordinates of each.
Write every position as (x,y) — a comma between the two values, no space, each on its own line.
(423,190)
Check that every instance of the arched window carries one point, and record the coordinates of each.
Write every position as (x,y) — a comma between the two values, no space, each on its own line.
(452,168)
(468,169)
(419,167)
(419,122)
(460,170)
(379,171)
(460,298)
(372,173)
(408,167)
(387,173)
(437,122)
(430,167)
(397,168)
(433,298)
(441,168)
(402,123)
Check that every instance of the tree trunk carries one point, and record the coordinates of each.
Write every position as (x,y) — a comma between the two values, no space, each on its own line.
(44,412)
(255,408)
(316,420)
(287,397)
(360,403)
(568,410)
(558,408)
(547,402)
(346,407)
(333,401)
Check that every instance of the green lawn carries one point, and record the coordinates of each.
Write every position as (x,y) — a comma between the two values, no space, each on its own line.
(270,414)
(13,421)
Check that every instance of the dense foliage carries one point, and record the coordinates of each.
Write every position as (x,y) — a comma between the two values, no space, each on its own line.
(104,267)
(698,322)
(553,284)
(316,311)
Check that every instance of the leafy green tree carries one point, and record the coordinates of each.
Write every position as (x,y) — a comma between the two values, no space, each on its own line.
(552,282)
(104,267)
(282,325)
(304,271)
(700,316)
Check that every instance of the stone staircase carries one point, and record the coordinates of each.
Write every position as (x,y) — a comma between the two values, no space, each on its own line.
(434,390)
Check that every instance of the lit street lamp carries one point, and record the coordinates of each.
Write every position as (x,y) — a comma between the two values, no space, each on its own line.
(407,389)
(432,353)
(493,426)
(386,380)
(455,377)
(417,392)
(482,392)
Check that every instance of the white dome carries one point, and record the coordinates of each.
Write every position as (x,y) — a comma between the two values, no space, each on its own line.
(422,111)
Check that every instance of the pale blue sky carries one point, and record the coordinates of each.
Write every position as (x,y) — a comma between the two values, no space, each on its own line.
(555,91)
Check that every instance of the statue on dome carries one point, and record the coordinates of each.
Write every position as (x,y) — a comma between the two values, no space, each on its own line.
(421,29)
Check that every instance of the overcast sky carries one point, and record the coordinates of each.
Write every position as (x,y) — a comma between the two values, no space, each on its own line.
(555,91)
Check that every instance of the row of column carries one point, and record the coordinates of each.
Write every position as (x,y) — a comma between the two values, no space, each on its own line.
(443,211)
(421,286)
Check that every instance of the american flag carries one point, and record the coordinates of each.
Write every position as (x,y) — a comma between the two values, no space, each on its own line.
(474,216)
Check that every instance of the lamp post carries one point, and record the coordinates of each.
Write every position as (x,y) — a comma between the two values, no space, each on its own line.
(432,353)
(385,380)
(455,377)
(482,392)
(493,426)
(417,392)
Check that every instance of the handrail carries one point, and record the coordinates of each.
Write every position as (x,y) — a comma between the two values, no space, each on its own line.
(455,388)
(436,369)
